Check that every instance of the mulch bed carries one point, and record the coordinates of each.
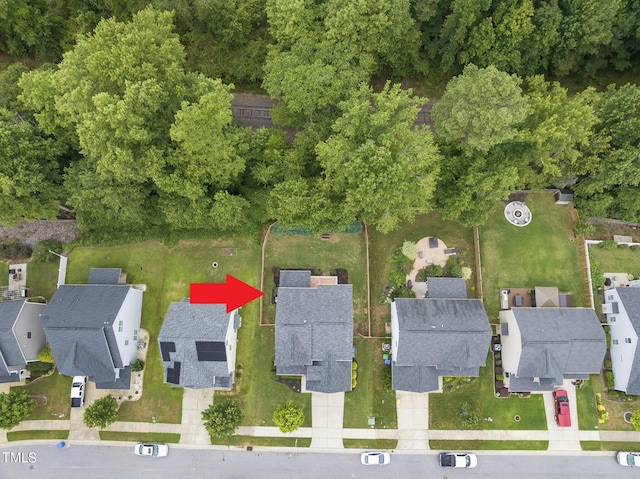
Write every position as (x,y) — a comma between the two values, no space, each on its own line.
(39,399)
(292,383)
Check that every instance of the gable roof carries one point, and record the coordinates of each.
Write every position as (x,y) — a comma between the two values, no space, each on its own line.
(314,333)
(295,279)
(192,343)
(78,324)
(104,275)
(630,299)
(451,336)
(447,288)
(557,343)
(9,311)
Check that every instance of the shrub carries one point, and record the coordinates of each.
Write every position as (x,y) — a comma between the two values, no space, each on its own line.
(607,363)
(471,420)
(45,355)
(597,276)
(13,249)
(137,365)
(354,366)
(401,262)
(101,413)
(288,417)
(451,262)
(433,271)
(499,377)
(582,228)
(456,271)
(354,383)
(598,398)
(609,380)
(623,246)
(15,406)
(397,278)
(608,244)
(635,419)
(466,273)
(613,394)
(410,250)
(387,383)
(41,252)
(221,420)
(354,374)
(39,366)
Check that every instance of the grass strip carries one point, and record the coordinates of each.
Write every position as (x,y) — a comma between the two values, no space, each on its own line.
(36,434)
(446,445)
(140,436)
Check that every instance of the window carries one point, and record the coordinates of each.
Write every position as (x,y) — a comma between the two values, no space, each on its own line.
(610,297)
(28,334)
(120,323)
(126,342)
(627,340)
(135,334)
(612,319)
(615,341)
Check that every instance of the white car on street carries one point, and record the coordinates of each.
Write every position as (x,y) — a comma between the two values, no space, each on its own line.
(375,458)
(151,449)
(631,459)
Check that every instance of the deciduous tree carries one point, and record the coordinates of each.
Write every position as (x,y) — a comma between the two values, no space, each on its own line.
(288,416)
(14,407)
(101,412)
(222,419)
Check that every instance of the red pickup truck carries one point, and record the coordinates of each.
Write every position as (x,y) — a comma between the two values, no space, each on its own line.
(561,403)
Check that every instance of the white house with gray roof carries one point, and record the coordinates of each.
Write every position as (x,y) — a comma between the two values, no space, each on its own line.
(92,329)
(541,347)
(314,331)
(198,345)
(21,337)
(622,308)
(444,334)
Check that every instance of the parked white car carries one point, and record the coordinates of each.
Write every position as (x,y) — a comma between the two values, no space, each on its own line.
(631,459)
(375,458)
(78,386)
(151,449)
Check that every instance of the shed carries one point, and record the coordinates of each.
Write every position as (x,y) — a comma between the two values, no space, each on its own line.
(563,196)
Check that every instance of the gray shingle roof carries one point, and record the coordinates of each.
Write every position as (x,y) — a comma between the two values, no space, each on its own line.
(104,275)
(450,336)
(78,325)
(447,288)
(186,323)
(314,334)
(557,343)
(630,298)
(9,311)
(295,279)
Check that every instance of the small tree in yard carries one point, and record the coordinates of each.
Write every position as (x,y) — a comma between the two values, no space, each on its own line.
(410,249)
(14,407)
(101,413)
(221,420)
(635,419)
(288,416)
(45,355)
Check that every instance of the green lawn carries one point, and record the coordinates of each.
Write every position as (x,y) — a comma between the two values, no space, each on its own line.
(382,247)
(542,253)
(245,441)
(489,445)
(479,395)
(42,278)
(56,389)
(619,260)
(33,435)
(345,251)
(369,399)
(140,436)
(608,446)
(588,419)
(379,444)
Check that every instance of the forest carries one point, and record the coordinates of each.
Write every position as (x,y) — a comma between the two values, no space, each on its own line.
(121,110)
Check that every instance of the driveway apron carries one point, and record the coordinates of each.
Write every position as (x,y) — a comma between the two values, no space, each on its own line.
(563,438)
(413,420)
(327,417)
(194,401)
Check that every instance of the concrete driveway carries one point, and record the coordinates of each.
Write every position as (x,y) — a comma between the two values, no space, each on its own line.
(563,438)
(327,418)
(413,420)
(194,401)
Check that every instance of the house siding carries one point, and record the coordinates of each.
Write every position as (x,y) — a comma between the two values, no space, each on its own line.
(511,343)
(129,314)
(622,353)
(28,321)
(395,331)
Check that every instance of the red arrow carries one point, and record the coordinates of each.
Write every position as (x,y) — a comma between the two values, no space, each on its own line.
(234,293)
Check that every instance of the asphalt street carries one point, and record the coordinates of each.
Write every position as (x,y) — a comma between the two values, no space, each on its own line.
(109,462)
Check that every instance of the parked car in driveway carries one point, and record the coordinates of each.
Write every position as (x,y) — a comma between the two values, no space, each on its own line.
(458,459)
(561,406)
(631,459)
(375,458)
(151,449)
(78,385)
